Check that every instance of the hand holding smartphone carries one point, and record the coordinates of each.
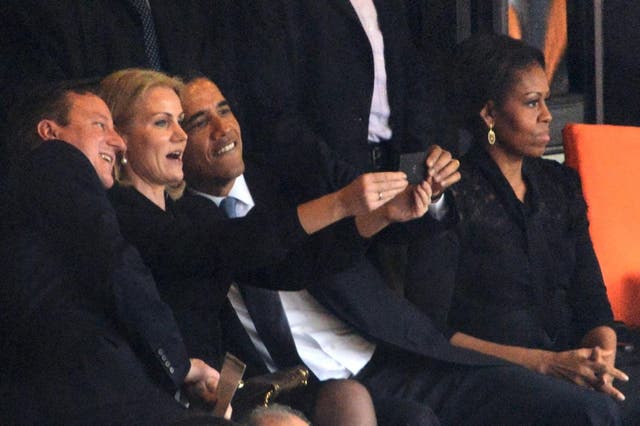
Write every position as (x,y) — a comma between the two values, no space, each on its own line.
(413,165)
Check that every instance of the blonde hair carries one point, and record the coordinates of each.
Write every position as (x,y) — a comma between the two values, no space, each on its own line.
(121,89)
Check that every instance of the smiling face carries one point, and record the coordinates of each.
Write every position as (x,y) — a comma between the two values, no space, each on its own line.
(155,140)
(213,158)
(90,129)
(521,121)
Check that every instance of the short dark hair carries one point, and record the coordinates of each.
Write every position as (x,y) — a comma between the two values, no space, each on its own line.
(485,67)
(44,101)
(192,75)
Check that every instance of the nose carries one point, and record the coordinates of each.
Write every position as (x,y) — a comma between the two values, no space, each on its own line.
(179,134)
(545,113)
(218,127)
(116,141)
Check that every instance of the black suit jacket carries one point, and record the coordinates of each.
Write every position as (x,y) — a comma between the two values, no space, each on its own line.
(310,73)
(360,297)
(85,336)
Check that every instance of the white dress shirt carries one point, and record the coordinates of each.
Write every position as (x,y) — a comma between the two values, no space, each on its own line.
(379,116)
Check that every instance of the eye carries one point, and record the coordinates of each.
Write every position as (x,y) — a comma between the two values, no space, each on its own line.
(198,124)
(223,111)
(533,103)
(161,123)
(101,125)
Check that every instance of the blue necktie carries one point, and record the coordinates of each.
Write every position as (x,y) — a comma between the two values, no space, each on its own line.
(150,38)
(228,205)
(267,313)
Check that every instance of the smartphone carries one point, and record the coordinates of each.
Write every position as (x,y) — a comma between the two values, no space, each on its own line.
(413,164)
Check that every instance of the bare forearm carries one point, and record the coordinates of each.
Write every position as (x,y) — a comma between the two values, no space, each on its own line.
(321,212)
(532,359)
(361,197)
(370,224)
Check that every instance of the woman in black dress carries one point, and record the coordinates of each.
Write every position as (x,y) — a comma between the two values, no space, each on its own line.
(515,276)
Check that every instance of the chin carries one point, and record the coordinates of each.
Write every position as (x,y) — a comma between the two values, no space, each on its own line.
(540,152)
(230,173)
(107,182)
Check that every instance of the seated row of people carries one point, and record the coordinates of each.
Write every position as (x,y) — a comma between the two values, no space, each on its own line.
(192,250)
(347,325)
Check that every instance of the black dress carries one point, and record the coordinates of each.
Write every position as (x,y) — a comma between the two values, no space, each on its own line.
(512,272)
(194,262)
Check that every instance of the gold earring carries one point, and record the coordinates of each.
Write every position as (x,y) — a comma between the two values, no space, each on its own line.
(491,136)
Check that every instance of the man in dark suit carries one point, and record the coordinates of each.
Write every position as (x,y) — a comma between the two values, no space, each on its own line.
(85,336)
(351,325)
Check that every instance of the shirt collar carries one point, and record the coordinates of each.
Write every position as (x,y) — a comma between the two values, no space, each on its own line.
(239,191)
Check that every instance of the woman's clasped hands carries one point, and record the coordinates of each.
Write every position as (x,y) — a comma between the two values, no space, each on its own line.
(592,368)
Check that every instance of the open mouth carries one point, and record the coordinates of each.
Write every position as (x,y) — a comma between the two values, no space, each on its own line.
(175,155)
(225,149)
(106,157)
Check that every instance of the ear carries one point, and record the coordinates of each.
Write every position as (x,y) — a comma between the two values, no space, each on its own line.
(487,113)
(47,129)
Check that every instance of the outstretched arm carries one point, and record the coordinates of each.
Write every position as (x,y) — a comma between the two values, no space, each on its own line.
(411,203)
(365,194)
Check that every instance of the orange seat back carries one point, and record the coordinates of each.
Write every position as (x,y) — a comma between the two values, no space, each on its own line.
(608,161)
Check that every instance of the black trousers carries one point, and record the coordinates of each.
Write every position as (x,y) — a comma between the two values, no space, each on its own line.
(495,395)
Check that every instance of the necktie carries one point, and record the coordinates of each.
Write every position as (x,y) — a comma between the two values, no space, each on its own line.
(228,206)
(267,313)
(265,308)
(149,31)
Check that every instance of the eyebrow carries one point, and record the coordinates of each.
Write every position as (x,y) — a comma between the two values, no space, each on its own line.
(100,116)
(194,117)
(534,92)
(169,114)
(222,104)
